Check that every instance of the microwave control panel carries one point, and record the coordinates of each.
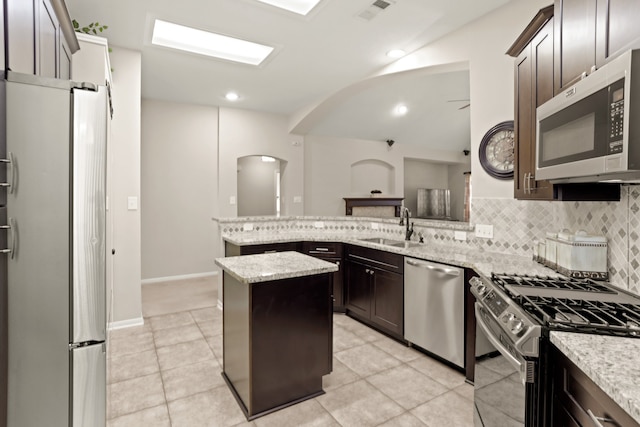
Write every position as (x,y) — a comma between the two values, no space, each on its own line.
(616,117)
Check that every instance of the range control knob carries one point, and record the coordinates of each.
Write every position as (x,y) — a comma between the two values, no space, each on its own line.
(517,326)
(508,317)
(481,289)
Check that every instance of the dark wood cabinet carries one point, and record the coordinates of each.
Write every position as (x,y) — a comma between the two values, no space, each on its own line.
(616,29)
(374,288)
(575,41)
(331,252)
(277,340)
(575,395)
(40,38)
(589,33)
(533,86)
(234,250)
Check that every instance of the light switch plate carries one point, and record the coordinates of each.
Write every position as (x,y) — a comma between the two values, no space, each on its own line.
(297,199)
(375,226)
(232,200)
(132,203)
(484,231)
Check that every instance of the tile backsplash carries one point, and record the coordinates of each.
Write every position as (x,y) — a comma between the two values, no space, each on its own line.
(517,223)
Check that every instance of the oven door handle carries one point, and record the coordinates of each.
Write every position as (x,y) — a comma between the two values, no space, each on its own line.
(497,344)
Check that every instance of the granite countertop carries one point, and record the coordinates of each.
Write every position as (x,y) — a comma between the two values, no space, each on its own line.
(483,262)
(273,266)
(610,362)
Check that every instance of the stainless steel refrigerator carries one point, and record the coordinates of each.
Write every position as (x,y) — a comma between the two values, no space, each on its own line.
(56,205)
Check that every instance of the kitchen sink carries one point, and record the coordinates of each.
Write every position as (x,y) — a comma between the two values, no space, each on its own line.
(391,242)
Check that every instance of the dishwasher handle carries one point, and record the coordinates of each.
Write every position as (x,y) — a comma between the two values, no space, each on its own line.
(439,269)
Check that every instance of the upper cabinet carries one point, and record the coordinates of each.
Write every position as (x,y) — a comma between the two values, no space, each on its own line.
(589,33)
(533,86)
(575,41)
(39,38)
(616,29)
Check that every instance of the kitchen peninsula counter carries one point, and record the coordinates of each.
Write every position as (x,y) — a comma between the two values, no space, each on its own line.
(277,329)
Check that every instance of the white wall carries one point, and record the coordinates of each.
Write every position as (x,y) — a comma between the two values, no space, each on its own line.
(327,168)
(245,133)
(480,45)
(179,173)
(125,144)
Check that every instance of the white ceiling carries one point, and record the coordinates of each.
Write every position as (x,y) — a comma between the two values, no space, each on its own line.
(316,56)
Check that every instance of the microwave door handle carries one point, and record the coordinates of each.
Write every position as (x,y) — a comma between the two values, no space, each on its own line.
(526,181)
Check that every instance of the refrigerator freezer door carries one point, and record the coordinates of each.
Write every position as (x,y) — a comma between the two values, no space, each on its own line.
(89,388)
(89,215)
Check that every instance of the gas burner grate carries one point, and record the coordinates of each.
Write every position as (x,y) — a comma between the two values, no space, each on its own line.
(564,283)
(577,315)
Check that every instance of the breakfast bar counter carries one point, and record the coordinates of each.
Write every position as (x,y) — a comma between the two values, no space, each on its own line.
(277,329)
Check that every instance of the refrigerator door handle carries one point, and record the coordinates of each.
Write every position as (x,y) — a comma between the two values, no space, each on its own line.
(11,250)
(10,177)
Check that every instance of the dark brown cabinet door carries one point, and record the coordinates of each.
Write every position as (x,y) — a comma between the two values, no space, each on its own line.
(358,288)
(617,28)
(533,87)
(387,300)
(575,394)
(575,41)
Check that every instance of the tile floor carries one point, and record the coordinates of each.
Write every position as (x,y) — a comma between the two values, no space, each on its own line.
(167,373)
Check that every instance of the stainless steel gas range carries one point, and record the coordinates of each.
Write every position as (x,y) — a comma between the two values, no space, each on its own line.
(517,313)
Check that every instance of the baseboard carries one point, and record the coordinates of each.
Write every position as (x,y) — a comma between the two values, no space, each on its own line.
(180,277)
(121,324)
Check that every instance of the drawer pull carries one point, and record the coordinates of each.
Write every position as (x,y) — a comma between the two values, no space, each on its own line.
(599,420)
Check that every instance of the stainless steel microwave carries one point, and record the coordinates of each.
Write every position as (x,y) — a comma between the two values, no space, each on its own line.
(591,132)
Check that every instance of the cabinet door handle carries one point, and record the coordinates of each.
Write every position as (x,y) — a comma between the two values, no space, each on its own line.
(12,245)
(371,272)
(526,180)
(10,176)
(367,271)
(338,263)
(599,420)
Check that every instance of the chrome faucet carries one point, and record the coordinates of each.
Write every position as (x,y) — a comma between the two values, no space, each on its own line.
(404,220)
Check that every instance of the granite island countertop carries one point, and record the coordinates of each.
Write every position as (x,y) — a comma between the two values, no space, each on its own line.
(610,362)
(273,266)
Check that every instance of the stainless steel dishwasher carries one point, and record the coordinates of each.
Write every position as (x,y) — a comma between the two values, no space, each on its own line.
(434,308)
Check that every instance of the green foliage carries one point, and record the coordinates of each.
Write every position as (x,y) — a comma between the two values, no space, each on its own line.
(92,28)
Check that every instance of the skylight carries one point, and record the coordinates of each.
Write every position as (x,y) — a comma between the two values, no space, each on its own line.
(301,7)
(201,42)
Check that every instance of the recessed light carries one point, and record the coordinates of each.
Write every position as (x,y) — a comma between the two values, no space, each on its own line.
(210,44)
(232,96)
(301,7)
(396,53)
(401,110)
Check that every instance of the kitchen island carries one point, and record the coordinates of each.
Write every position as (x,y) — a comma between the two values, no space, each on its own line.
(277,329)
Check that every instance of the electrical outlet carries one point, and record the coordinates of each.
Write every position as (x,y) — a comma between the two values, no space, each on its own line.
(484,231)
(232,200)
(460,235)
(297,199)
(375,226)
(247,227)
(318,224)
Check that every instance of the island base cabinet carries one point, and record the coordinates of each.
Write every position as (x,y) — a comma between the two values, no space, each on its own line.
(277,339)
